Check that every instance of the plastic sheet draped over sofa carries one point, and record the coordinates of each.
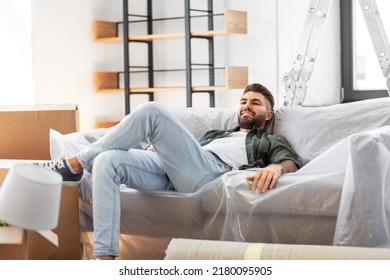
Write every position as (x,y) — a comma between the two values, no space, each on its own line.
(339,196)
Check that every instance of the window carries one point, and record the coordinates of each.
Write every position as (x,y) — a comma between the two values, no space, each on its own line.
(16,84)
(361,74)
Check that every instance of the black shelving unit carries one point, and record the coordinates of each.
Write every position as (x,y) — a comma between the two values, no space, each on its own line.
(189,65)
(126,50)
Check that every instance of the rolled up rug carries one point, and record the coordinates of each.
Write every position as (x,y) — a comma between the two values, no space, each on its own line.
(192,249)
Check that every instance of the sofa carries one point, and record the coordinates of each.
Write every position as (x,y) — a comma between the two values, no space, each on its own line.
(339,197)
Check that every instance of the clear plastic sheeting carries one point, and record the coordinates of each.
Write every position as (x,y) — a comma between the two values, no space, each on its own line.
(339,197)
(364,216)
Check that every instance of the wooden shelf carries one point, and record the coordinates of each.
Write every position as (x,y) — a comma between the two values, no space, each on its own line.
(235,78)
(235,22)
(106,124)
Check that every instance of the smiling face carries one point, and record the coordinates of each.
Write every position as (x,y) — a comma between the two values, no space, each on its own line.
(254,110)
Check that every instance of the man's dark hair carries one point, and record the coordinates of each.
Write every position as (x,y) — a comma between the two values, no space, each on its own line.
(256,87)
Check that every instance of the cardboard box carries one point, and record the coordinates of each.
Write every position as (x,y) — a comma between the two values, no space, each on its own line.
(24,130)
(13,243)
(35,247)
(25,134)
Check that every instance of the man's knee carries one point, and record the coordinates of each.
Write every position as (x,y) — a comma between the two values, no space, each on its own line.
(106,160)
(152,108)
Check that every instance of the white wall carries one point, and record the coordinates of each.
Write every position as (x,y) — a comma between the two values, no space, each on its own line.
(65,56)
(15,53)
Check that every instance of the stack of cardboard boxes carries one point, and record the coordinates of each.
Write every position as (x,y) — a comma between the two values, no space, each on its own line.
(25,135)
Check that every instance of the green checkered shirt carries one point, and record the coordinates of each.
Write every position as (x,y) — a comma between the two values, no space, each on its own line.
(262,148)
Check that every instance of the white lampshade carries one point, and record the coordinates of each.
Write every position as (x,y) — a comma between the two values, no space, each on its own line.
(30,197)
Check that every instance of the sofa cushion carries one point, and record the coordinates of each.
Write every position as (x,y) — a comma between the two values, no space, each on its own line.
(309,130)
(200,120)
(312,130)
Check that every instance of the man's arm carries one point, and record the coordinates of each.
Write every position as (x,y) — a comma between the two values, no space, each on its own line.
(267,177)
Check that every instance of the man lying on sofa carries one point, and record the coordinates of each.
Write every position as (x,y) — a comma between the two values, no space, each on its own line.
(177,161)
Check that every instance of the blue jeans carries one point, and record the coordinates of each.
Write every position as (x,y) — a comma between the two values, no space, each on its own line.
(179,163)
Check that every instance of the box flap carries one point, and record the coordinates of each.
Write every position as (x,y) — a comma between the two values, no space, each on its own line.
(25,130)
(39,107)
(11,235)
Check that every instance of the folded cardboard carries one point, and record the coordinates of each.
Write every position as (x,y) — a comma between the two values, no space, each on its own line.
(24,134)
(24,130)
(34,246)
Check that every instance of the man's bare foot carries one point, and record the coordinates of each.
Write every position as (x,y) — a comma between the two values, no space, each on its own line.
(74,162)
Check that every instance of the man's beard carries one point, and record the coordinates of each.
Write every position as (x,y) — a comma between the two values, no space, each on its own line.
(245,123)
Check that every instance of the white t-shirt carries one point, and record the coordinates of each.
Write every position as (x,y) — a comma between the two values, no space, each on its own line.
(231,149)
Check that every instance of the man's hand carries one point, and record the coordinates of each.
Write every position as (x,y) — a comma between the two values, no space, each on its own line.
(267,177)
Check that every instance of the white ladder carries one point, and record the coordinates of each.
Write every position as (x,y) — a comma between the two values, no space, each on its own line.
(295,81)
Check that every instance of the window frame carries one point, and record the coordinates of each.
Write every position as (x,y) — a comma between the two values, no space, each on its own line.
(349,93)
